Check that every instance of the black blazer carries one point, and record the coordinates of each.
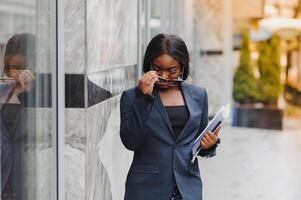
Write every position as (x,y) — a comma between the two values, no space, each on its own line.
(159,159)
(11,146)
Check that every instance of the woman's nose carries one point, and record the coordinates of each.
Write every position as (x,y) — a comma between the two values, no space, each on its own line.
(164,74)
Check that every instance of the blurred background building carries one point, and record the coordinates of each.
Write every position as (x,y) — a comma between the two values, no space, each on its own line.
(89,51)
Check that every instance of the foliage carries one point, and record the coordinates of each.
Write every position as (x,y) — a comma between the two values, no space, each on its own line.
(244,86)
(269,84)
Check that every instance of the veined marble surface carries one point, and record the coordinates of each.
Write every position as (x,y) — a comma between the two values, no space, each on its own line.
(75,171)
(207,71)
(107,160)
(75,125)
(115,158)
(75,33)
(209,74)
(110,29)
(39,154)
(74,152)
(209,24)
(111,34)
(44,36)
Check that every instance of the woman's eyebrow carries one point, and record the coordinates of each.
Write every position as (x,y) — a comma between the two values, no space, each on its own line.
(155,65)
(171,67)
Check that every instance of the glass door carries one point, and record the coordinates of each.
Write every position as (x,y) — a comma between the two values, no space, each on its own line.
(28,125)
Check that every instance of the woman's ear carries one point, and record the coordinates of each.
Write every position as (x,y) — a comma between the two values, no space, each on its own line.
(182,73)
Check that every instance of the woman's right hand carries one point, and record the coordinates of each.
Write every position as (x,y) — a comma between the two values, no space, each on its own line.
(25,82)
(147,82)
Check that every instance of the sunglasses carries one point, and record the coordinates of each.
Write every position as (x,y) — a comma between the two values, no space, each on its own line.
(170,82)
(8,80)
(16,67)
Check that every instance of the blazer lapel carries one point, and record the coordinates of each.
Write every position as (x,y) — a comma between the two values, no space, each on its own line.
(160,108)
(188,98)
(189,101)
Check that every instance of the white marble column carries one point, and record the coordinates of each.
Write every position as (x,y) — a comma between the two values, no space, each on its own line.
(212,54)
(228,52)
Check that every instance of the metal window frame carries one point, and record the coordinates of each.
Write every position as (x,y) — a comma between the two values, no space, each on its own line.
(58,99)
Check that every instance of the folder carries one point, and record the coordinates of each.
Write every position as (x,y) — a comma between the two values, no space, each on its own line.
(222,114)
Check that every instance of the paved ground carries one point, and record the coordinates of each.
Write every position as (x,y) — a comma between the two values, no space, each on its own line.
(255,164)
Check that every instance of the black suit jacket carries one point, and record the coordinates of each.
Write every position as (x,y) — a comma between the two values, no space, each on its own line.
(11,145)
(159,159)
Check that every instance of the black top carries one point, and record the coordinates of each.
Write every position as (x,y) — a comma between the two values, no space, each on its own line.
(178,116)
(9,114)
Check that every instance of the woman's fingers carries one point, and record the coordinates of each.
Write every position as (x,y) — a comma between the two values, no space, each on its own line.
(147,81)
(216,132)
(149,76)
(208,140)
(29,74)
(22,83)
(154,80)
(25,79)
(212,136)
(203,145)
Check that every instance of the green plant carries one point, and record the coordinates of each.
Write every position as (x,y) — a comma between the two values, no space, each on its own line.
(245,83)
(269,84)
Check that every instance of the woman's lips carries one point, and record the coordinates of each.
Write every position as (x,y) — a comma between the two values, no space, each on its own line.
(161,84)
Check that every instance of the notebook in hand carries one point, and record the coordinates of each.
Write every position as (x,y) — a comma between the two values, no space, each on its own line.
(218,119)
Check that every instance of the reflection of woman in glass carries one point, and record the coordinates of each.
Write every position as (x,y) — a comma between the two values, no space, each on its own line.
(160,119)
(16,82)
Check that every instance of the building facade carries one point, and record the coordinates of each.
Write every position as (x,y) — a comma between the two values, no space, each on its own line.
(87,53)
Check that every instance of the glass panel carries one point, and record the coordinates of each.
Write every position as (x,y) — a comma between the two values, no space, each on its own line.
(156,17)
(26,46)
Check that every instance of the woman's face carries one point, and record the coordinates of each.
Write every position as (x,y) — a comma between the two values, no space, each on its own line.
(166,67)
(16,64)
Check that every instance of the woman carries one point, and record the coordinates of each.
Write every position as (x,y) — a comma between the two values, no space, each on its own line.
(160,118)
(16,83)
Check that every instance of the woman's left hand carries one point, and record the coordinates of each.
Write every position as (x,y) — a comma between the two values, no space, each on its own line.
(210,139)
(25,81)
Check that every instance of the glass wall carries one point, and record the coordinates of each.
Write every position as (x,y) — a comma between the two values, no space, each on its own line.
(63,68)
(27,132)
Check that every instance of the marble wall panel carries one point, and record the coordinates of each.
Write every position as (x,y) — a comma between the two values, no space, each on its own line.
(38,160)
(45,171)
(44,36)
(75,118)
(28,167)
(74,152)
(74,36)
(44,127)
(75,171)
(208,21)
(45,153)
(107,160)
(209,74)
(75,125)
(113,155)
(40,154)
(111,34)
(97,180)
(208,36)
(115,80)
(178,18)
